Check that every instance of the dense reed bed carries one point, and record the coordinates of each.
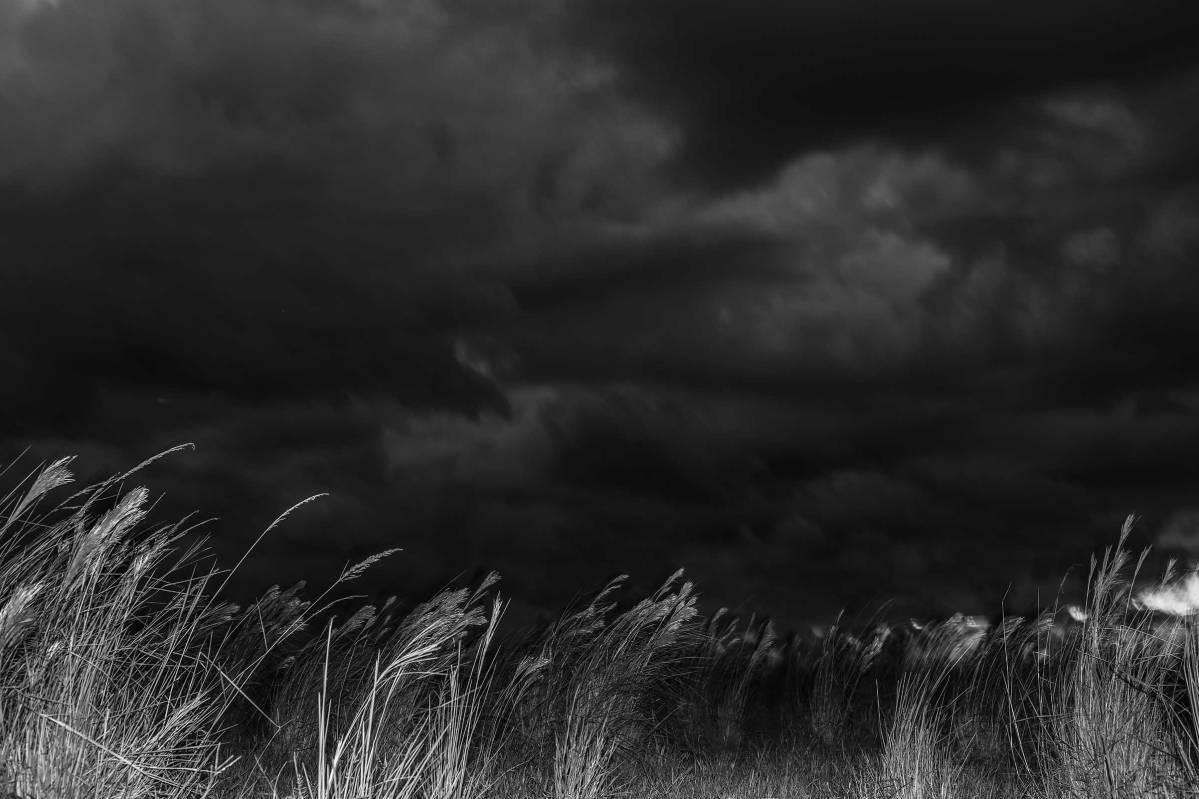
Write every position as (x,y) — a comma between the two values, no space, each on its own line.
(123,673)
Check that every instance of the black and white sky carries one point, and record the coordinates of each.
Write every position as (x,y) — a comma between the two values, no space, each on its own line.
(828,301)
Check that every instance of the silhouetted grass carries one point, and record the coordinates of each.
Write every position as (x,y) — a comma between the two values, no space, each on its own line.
(124,674)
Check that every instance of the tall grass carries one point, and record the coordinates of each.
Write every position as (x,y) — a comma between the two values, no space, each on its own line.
(842,661)
(605,678)
(410,728)
(123,673)
(915,761)
(109,682)
(1111,733)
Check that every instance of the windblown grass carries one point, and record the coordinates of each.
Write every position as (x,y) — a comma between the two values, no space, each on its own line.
(123,673)
(110,685)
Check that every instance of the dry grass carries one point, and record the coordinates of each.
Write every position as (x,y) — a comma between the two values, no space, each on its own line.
(123,674)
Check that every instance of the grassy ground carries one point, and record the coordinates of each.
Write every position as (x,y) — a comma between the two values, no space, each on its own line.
(122,674)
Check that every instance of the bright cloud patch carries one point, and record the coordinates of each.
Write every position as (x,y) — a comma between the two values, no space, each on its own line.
(1177,599)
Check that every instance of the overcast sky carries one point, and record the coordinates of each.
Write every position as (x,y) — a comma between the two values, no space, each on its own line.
(826,301)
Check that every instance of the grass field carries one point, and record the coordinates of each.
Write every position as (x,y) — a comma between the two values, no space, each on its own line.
(123,674)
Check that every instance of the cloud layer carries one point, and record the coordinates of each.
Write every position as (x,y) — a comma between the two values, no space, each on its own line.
(828,304)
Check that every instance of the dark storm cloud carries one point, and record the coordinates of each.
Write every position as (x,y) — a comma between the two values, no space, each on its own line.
(753,84)
(323,196)
(1039,278)
(932,307)
(274,198)
(260,226)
